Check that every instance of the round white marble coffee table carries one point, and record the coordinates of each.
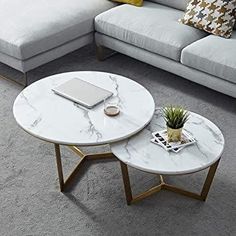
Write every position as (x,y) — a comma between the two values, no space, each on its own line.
(142,154)
(52,118)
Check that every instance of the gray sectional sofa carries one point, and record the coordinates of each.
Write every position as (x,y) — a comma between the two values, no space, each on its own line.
(152,34)
(46,30)
(33,33)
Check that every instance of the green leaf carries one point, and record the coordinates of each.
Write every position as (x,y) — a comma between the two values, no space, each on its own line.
(175,116)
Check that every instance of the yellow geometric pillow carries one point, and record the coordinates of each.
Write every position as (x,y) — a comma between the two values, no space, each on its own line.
(137,3)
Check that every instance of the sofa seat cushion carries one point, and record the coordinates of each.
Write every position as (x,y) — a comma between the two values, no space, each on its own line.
(152,27)
(213,55)
(31,27)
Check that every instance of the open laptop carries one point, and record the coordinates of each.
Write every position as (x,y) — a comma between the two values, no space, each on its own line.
(82,92)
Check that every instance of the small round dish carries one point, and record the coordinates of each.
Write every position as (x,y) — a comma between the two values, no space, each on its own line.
(112,110)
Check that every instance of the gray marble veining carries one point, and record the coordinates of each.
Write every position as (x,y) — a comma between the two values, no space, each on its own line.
(140,153)
(52,118)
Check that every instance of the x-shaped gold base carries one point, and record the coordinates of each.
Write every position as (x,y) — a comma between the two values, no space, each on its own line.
(64,184)
(202,196)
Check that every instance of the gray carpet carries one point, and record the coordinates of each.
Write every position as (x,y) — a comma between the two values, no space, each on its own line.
(30,201)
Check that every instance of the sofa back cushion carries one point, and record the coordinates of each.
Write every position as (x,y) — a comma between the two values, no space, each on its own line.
(178,4)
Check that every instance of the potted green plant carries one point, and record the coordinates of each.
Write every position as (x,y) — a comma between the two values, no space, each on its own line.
(175,118)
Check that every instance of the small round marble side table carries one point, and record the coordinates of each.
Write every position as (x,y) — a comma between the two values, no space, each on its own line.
(55,119)
(140,153)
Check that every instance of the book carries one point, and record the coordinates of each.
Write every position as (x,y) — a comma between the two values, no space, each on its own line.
(161,138)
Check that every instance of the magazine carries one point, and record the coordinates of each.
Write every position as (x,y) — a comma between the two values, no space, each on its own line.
(176,150)
(160,138)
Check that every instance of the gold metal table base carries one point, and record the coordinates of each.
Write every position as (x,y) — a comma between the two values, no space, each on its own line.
(202,196)
(65,184)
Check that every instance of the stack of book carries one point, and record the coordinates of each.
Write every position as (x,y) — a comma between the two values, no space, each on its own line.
(161,138)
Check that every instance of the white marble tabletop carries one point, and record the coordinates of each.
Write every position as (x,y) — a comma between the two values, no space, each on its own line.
(141,154)
(52,118)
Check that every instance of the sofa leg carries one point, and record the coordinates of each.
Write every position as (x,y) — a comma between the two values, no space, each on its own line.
(25,78)
(99,53)
(103,53)
(26,81)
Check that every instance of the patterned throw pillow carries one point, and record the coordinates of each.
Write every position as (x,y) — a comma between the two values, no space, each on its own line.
(213,16)
(137,3)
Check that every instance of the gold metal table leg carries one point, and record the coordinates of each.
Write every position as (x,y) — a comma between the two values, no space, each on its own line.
(125,175)
(202,196)
(209,180)
(64,184)
(59,166)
